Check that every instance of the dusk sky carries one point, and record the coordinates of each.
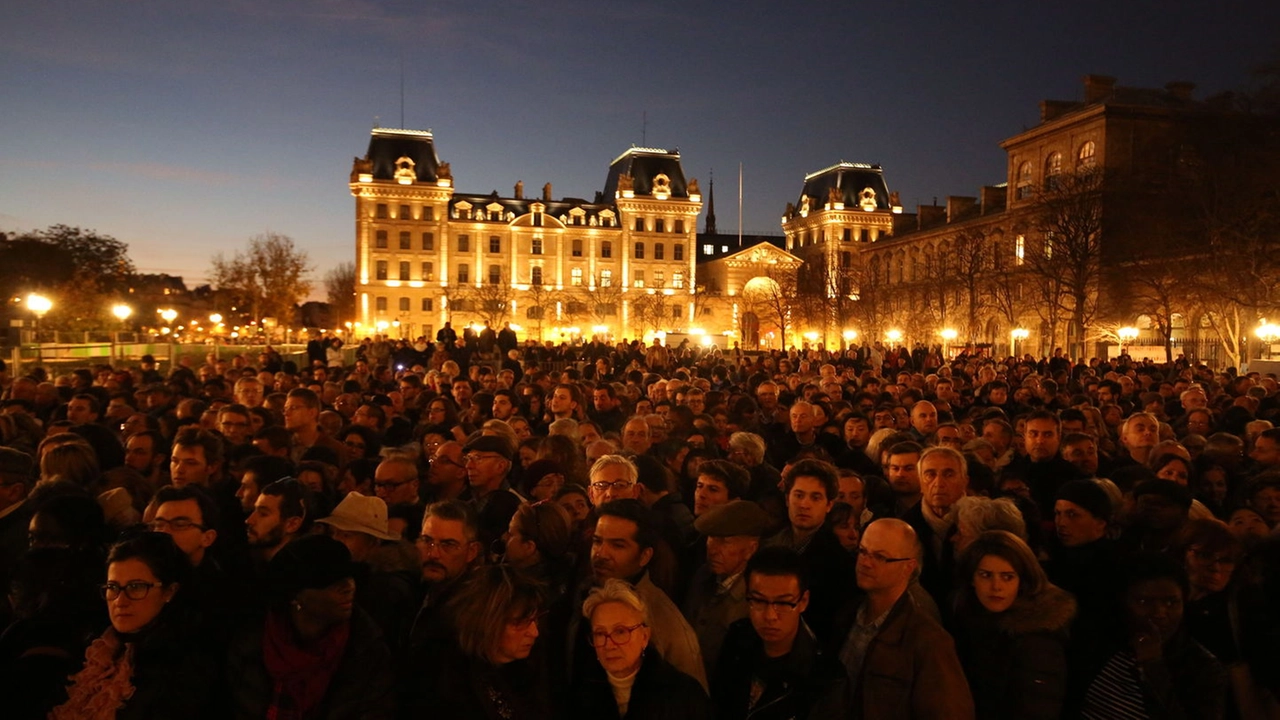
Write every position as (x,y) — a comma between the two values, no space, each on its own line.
(184,128)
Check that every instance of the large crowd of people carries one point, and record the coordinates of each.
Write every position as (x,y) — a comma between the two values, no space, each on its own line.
(480,528)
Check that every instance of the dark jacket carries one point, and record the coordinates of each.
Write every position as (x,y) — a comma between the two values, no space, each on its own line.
(467,689)
(660,693)
(805,683)
(361,688)
(1186,682)
(911,671)
(1016,660)
(832,572)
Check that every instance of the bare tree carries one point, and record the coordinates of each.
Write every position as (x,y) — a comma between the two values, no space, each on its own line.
(269,277)
(601,303)
(1159,291)
(650,312)
(491,300)
(1064,250)
(776,300)
(541,301)
(340,287)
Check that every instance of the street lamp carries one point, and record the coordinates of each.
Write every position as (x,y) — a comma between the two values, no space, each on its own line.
(1127,335)
(1018,335)
(893,336)
(1268,333)
(949,336)
(169,315)
(39,305)
(121,311)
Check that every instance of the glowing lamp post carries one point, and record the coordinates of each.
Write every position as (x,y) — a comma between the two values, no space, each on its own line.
(1018,335)
(1127,336)
(38,305)
(949,336)
(894,336)
(849,337)
(1268,333)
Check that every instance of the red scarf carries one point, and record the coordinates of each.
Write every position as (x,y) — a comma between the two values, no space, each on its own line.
(299,675)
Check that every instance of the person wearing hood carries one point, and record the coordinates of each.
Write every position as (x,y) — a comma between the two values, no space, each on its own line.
(1011,630)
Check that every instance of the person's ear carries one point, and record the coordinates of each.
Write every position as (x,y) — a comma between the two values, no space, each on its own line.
(803,604)
(645,556)
(473,549)
(208,537)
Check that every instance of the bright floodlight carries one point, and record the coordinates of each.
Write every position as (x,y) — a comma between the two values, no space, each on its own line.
(893,335)
(1268,332)
(850,334)
(1127,333)
(39,304)
(215,318)
(121,311)
(169,314)
(948,334)
(1020,333)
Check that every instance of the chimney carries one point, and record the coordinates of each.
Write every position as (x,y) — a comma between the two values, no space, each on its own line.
(1097,87)
(958,207)
(992,198)
(1180,89)
(931,215)
(1053,109)
(519,189)
(546,192)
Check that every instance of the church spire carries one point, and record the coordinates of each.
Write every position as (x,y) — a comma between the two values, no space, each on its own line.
(711,206)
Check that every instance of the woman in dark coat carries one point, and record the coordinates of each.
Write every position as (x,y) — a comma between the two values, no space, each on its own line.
(1011,630)
(315,655)
(631,680)
(149,663)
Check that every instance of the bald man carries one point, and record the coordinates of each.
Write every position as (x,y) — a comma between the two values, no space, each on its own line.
(913,671)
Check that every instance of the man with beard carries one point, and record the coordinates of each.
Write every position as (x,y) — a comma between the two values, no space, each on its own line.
(904,476)
(279,516)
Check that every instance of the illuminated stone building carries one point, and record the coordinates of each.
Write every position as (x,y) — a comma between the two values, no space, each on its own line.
(427,253)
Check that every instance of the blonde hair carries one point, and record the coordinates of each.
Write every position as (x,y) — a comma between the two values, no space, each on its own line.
(619,591)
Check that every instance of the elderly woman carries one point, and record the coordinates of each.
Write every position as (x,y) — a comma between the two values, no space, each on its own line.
(496,615)
(1011,629)
(975,515)
(315,655)
(146,664)
(636,683)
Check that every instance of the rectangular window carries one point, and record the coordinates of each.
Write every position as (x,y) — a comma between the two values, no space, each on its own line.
(428,241)
(577,248)
(660,225)
(495,274)
(495,244)
(606,278)
(380,304)
(677,280)
(659,251)
(380,271)
(847,236)
(427,305)
(404,271)
(404,304)
(1019,249)
(464,273)
(575,277)
(708,249)
(639,251)
(380,239)
(639,224)
(464,243)
(606,249)
(639,279)
(428,271)
(680,226)
(535,247)
(864,235)
(678,252)
(659,277)
(535,275)
(428,213)
(676,312)
(846,259)
(406,243)
(405,213)
(381,212)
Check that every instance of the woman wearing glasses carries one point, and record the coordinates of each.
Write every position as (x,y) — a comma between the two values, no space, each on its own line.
(145,665)
(1011,629)
(636,683)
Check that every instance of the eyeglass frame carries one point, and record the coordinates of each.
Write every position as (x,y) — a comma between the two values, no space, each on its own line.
(763,605)
(111,591)
(601,485)
(879,558)
(178,523)
(606,637)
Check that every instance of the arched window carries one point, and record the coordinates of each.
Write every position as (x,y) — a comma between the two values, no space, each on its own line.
(1024,181)
(1085,159)
(1052,170)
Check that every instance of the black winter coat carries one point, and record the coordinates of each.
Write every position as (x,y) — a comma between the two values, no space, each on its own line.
(660,693)
(808,683)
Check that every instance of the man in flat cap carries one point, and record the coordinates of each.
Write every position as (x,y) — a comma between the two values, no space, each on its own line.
(488,462)
(718,593)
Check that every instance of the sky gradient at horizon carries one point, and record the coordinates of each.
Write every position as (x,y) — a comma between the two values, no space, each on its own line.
(184,128)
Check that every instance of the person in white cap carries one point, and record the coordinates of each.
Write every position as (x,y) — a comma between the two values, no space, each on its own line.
(387,566)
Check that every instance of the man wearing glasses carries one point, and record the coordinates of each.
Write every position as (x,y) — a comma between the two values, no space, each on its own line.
(771,659)
(613,477)
(447,475)
(901,662)
(488,462)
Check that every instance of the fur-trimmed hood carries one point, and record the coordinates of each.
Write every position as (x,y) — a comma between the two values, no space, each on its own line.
(1050,611)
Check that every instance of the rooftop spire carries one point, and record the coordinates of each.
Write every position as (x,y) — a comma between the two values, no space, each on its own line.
(711,206)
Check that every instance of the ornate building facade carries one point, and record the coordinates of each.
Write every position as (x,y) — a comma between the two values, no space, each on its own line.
(427,254)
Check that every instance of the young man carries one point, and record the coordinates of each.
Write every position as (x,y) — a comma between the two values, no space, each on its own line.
(279,516)
(771,663)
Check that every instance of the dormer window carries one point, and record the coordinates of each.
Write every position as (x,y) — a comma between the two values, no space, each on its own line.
(405,174)
(661,186)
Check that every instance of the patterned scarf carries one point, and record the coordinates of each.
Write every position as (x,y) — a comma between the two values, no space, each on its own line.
(299,675)
(103,686)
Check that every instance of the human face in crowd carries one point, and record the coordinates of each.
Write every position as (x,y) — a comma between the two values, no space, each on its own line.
(774,605)
(658,392)
(140,454)
(901,418)
(135,577)
(247,491)
(924,418)
(1084,455)
(249,394)
(903,475)
(1199,423)
(1267,502)
(562,403)
(502,407)
(187,466)
(1141,433)
(767,396)
(327,606)
(943,481)
(1208,571)
(949,436)
(885,560)
(136,423)
(298,416)
(486,470)
(610,619)
(603,403)
(1076,526)
(521,427)
(80,412)
(517,549)
(848,535)
(883,419)
(517,640)
(995,583)
(801,419)
(183,521)
(696,402)
(546,487)
(611,483)
(396,483)
(1155,609)
(235,427)
(1174,470)
(444,549)
(808,504)
(1041,437)
(1247,525)
(709,492)
(856,432)
(728,556)
(1194,399)
(265,526)
(614,550)
(635,436)
(436,412)
(1265,452)
(850,491)
(995,435)
(576,505)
